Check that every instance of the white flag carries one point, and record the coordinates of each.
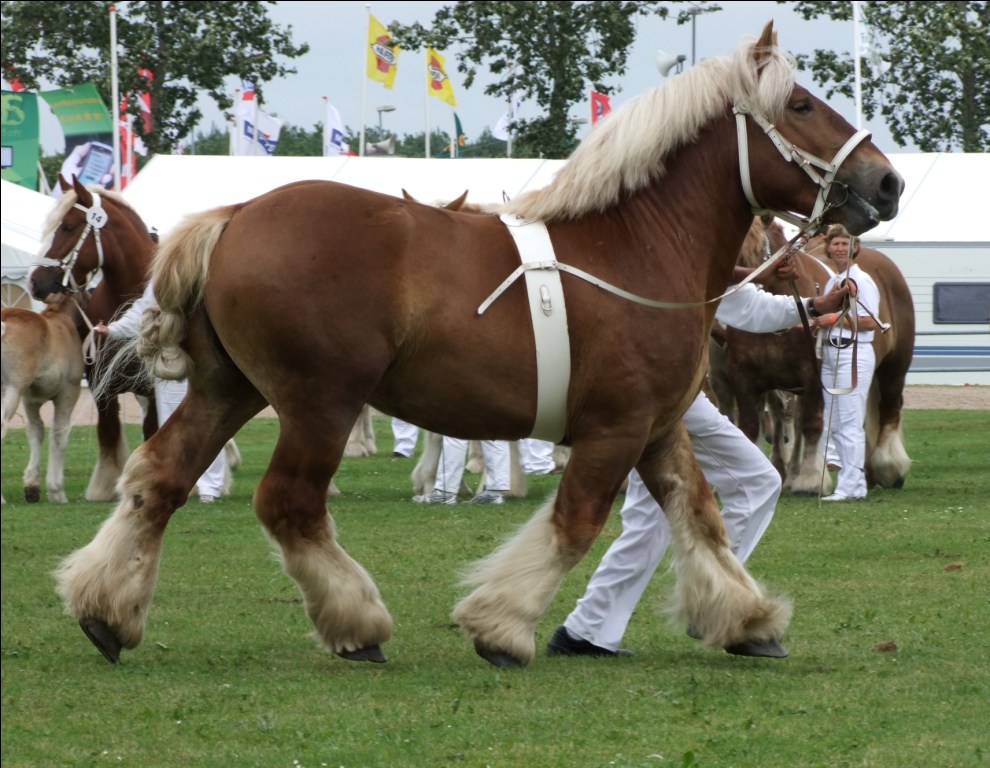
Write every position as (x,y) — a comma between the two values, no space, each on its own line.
(333,134)
(257,134)
(501,129)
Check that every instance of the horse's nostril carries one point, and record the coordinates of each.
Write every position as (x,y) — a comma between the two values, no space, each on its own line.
(891,186)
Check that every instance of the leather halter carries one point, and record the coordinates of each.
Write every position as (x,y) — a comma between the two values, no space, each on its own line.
(96,219)
(805,160)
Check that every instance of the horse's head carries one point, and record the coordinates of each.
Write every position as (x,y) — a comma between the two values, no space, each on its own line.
(811,161)
(92,230)
(74,252)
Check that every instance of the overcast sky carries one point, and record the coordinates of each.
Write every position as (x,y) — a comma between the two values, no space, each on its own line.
(334,67)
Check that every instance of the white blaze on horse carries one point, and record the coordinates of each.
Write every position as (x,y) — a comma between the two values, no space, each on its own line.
(42,361)
(391,302)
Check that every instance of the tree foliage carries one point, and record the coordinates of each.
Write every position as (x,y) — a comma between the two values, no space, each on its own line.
(189,48)
(552,52)
(927,70)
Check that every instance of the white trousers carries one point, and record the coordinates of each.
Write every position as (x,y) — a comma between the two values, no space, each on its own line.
(453,458)
(748,487)
(405,435)
(536,456)
(168,395)
(845,415)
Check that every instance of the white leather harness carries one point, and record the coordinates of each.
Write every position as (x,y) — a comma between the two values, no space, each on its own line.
(546,308)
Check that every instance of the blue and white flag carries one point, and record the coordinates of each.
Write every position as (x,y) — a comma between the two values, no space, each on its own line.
(333,134)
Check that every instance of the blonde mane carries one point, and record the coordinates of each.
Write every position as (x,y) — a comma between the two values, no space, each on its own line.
(626,151)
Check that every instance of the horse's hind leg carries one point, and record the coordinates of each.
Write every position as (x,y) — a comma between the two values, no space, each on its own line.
(340,597)
(715,597)
(888,462)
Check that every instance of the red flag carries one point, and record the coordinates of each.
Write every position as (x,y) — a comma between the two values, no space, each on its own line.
(599,106)
(129,143)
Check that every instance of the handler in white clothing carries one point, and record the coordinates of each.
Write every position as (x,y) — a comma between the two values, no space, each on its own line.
(168,394)
(746,482)
(845,413)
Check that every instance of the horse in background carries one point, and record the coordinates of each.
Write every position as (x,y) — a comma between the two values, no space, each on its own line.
(41,360)
(94,232)
(416,310)
(776,373)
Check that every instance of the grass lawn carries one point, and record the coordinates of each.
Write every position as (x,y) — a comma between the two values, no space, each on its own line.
(890,641)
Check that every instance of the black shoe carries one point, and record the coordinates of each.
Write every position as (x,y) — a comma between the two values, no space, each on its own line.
(562,644)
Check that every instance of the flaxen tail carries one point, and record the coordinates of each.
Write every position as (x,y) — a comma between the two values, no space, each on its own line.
(179,273)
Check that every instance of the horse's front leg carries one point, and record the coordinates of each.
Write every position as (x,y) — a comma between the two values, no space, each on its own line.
(515,584)
(715,597)
(113,451)
(59,442)
(108,585)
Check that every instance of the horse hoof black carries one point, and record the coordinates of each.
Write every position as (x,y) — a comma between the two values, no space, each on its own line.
(498,658)
(804,494)
(372,653)
(32,494)
(770,649)
(103,638)
(899,483)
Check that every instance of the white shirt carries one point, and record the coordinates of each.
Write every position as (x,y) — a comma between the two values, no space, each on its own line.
(867,297)
(754,310)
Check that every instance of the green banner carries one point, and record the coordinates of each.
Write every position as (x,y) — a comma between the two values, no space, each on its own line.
(88,130)
(80,110)
(21,147)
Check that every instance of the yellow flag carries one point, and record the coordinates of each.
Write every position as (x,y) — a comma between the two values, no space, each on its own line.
(437,82)
(383,54)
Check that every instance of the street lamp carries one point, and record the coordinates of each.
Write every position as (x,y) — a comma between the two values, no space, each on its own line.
(386,108)
(694,10)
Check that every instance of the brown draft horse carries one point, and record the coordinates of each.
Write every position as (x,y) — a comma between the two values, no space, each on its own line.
(751,370)
(95,231)
(42,361)
(377,300)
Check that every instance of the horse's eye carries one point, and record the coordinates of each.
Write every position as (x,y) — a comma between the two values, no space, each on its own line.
(802,107)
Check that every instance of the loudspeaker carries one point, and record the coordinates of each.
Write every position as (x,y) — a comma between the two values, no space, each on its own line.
(666,62)
(386,147)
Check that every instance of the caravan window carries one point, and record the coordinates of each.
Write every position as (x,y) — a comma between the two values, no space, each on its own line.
(962,302)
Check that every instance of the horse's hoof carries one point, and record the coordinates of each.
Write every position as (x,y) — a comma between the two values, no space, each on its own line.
(32,494)
(499,658)
(103,638)
(898,483)
(771,649)
(805,494)
(372,653)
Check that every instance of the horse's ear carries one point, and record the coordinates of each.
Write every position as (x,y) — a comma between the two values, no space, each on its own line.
(84,195)
(768,40)
(456,205)
(407,196)
(64,185)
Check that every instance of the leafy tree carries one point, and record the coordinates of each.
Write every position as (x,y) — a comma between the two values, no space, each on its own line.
(189,49)
(927,71)
(549,51)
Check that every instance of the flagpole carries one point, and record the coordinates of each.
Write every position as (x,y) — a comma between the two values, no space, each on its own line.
(856,64)
(326,126)
(114,97)
(455,141)
(426,103)
(364,81)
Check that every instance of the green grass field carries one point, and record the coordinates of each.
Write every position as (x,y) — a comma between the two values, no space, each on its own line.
(889,664)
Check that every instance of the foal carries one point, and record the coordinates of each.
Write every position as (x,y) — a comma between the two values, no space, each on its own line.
(42,360)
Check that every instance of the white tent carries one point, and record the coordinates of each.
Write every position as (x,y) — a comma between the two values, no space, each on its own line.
(171,186)
(24,213)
